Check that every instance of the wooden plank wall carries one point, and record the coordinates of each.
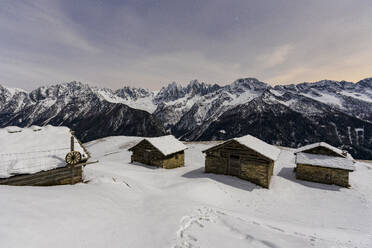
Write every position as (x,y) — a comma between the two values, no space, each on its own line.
(157,158)
(175,160)
(254,167)
(322,175)
(58,176)
(322,151)
(139,154)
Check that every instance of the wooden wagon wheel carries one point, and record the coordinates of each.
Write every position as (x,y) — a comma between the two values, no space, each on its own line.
(73,158)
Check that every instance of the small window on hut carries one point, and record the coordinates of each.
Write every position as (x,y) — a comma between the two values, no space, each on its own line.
(176,155)
(234,157)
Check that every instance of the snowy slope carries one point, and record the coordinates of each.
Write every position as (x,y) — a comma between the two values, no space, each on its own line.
(133,205)
(142,102)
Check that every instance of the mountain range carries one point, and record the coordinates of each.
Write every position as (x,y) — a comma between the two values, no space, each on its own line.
(337,112)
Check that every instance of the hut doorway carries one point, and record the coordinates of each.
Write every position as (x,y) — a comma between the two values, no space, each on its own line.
(234,165)
(147,157)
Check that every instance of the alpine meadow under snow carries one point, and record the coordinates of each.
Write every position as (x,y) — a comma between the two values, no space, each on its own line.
(133,205)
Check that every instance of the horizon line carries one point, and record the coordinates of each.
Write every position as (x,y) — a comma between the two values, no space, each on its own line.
(91,84)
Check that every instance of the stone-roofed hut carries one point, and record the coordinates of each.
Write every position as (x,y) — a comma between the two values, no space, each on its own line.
(323,163)
(246,157)
(41,156)
(165,151)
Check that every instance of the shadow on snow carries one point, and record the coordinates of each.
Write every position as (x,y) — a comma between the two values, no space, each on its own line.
(289,174)
(152,167)
(225,179)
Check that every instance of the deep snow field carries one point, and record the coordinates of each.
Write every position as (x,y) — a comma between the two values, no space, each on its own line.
(133,205)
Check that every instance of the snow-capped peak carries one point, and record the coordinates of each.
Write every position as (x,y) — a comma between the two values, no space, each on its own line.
(367,82)
(11,91)
(243,84)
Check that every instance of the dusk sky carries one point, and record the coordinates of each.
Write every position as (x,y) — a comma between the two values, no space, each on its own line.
(152,43)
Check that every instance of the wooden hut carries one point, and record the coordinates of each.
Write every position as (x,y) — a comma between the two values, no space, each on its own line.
(246,157)
(40,156)
(165,151)
(323,163)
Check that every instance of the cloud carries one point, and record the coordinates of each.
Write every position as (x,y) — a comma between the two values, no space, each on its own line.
(351,67)
(161,69)
(39,22)
(152,43)
(275,57)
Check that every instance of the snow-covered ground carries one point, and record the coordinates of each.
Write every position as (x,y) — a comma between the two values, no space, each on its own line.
(133,205)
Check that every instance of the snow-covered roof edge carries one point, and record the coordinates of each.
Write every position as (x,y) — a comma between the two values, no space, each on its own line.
(325,145)
(325,161)
(257,145)
(167,144)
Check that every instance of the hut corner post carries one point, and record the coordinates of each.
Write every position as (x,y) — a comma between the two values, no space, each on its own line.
(72,141)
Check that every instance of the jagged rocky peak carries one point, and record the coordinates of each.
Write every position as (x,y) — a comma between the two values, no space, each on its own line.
(291,87)
(10,92)
(61,90)
(197,88)
(175,91)
(326,85)
(194,85)
(174,87)
(172,92)
(367,82)
(242,84)
(12,99)
(128,92)
(7,94)
(334,86)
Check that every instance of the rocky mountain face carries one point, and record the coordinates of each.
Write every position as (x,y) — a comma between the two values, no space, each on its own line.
(88,111)
(339,113)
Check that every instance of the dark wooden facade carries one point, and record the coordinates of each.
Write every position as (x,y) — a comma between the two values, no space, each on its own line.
(232,158)
(58,176)
(144,152)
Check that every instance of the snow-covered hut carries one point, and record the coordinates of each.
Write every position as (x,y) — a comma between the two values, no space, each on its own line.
(324,148)
(323,163)
(246,157)
(40,156)
(165,151)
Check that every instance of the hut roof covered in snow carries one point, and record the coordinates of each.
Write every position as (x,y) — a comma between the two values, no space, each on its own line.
(167,145)
(325,161)
(256,145)
(35,149)
(325,145)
